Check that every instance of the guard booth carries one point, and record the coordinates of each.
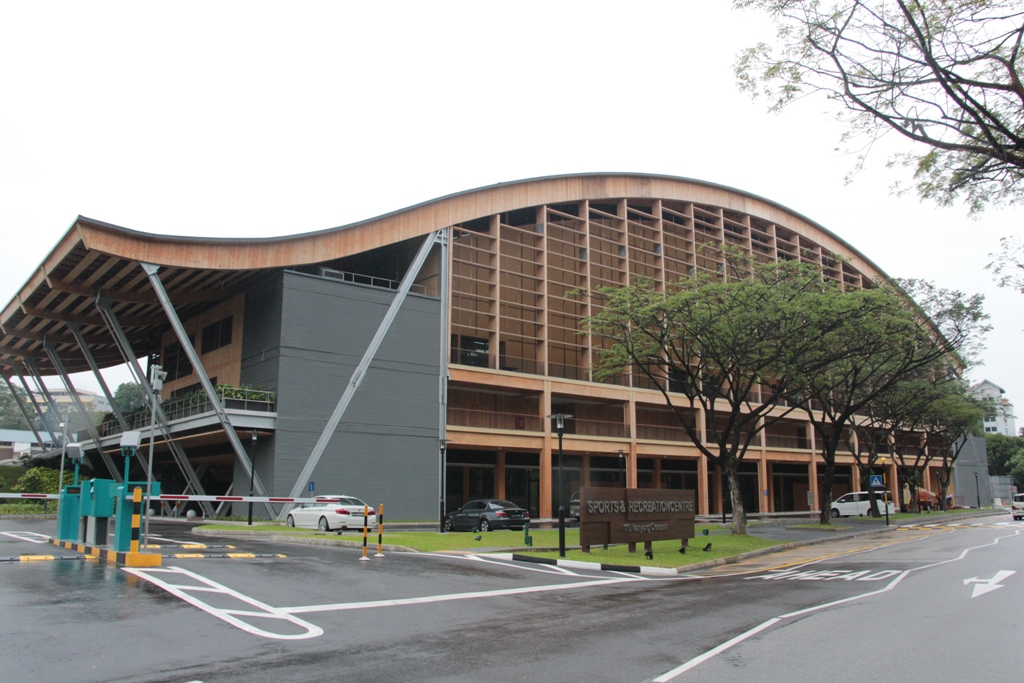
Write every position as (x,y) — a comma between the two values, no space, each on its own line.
(87,507)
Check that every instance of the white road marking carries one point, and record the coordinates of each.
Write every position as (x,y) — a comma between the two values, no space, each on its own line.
(542,568)
(711,653)
(262,610)
(473,595)
(30,536)
(982,586)
(771,622)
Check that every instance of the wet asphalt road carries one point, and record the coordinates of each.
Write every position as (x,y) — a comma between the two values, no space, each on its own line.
(321,613)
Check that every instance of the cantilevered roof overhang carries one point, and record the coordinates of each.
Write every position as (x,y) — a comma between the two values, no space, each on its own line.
(96,259)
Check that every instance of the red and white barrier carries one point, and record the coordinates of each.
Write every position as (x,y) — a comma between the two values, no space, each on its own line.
(31,496)
(241,499)
(180,498)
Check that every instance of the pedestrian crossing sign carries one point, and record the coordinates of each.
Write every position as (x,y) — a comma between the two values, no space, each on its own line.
(876,481)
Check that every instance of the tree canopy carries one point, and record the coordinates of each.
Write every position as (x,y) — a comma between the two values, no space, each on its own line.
(130,396)
(942,73)
(727,345)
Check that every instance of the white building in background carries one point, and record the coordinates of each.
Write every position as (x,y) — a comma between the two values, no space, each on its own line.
(93,402)
(999,417)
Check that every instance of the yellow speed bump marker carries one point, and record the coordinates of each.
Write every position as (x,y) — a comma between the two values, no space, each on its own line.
(188,555)
(34,558)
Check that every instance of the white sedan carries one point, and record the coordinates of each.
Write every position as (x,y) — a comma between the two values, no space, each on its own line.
(333,512)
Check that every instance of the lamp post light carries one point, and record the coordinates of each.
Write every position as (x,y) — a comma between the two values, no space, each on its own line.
(560,419)
(622,468)
(252,473)
(442,449)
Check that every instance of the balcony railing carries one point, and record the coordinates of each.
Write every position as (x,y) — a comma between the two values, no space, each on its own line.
(596,428)
(661,433)
(794,442)
(487,419)
(196,403)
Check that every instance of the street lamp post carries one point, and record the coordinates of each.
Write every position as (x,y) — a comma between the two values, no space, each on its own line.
(252,473)
(977,489)
(885,492)
(443,446)
(622,468)
(63,450)
(560,419)
(156,383)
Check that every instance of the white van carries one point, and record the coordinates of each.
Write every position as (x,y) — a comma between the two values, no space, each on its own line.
(1017,507)
(859,504)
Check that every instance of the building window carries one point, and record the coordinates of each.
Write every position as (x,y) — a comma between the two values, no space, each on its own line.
(217,335)
(175,361)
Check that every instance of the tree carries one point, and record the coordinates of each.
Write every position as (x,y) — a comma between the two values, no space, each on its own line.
(942,73)
(882,341)
(38,480)
(11,416)
(724,344)
(953,417)
(130,396)
(1007,265)
(1006,457)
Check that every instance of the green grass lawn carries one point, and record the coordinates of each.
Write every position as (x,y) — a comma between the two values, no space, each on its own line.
(666,553)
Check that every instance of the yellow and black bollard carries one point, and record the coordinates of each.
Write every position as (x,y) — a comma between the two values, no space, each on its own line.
(380,532)
(366,531)
(136,519)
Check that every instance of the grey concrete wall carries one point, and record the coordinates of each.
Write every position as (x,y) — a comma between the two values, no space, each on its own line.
(261,348)
(385,448)
(973,461)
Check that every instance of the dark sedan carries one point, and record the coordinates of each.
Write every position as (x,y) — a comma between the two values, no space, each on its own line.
(486,515)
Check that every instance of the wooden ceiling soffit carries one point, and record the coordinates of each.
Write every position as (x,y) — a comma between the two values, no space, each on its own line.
(32,311)
(145,297)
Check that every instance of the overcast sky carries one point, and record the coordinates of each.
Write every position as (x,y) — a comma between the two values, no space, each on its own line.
(251,119)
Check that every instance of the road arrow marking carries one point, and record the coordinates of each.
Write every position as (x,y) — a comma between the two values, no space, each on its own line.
(982,586)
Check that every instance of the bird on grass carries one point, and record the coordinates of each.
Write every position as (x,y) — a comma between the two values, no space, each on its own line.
(649,554)
(707,548)
(478,537)
(682,551)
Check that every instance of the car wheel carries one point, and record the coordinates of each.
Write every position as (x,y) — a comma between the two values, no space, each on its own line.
(323,526)
(485,525)
(835,513)
(448,526)
(290,521)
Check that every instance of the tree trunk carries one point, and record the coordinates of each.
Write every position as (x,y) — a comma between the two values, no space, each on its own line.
(739,517)
(825,492)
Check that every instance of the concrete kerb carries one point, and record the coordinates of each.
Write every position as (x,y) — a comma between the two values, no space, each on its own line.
(298,540)
(589,566)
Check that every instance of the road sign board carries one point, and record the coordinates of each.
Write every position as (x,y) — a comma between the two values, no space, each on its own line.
(311,487)
(876,481)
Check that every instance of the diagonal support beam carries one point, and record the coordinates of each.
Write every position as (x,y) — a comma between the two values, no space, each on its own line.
(364,365)
(58,364)
(125,348)
(38,377)
(76,330)
(20,371)
(197,367)
(24,409)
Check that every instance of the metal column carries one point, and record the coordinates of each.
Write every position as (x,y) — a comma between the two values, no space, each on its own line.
(58,365)
(360,372)
(197,366)
(125,348)
(19,370)
(30,363)
(76,330)
(24,410)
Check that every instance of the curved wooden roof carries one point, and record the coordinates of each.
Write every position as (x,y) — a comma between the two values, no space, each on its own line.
(94,257)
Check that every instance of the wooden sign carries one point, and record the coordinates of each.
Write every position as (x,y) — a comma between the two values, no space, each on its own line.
(633,516)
